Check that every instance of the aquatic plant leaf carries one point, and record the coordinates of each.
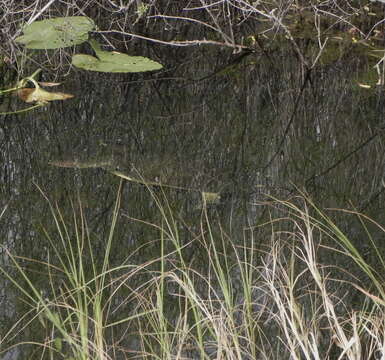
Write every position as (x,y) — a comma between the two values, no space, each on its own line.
(147,183)
(76,164)
(58,344)
(48,84)
(210,197)
(56,33)
(39,95)
(364,86)
(112,61)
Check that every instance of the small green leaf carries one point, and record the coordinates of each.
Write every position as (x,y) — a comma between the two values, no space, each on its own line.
(56,33)
(54,317)
(210,197)
(58,344)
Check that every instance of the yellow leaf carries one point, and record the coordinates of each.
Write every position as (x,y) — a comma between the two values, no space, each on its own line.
(210,197)
(364,86)
(30,95)
(44,83)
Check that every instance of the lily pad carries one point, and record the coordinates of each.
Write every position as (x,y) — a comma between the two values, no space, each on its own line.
(112,61)
(56,33)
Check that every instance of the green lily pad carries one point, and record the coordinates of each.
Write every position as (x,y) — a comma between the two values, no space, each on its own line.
(56,33)
(112,61)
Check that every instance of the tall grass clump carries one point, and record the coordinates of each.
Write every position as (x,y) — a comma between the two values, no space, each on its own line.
(73,304)
(294,287)
(327,299)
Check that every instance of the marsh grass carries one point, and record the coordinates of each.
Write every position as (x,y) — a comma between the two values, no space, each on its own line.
(313,300)
(74,306)
(289,301)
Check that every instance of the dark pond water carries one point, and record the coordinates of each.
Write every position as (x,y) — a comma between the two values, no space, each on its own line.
(245,126)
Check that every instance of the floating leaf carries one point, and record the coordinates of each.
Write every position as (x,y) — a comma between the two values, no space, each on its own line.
(56,33)
(364,86)
(210,197)
(112,61)
(44,83)
(147,183)
(76,164)
(39,95)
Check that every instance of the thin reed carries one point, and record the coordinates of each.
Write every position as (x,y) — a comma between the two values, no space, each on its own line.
(289,300)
